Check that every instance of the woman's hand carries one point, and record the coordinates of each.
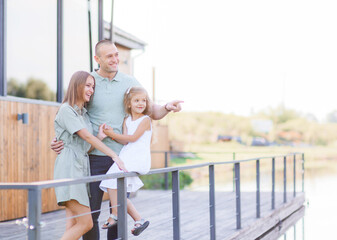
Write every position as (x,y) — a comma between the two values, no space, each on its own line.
(101,135)
(120,164)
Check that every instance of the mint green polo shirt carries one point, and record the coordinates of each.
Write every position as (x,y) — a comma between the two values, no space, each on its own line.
(107,106)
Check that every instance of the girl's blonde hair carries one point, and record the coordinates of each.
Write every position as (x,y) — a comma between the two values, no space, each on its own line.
(76,87)
(132,92)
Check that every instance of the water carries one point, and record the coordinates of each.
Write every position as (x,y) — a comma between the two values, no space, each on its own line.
(320,217)
(319,221)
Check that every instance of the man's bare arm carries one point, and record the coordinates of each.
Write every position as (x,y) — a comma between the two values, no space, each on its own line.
(159,112)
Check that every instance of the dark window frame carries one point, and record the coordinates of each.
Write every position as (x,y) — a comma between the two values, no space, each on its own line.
(59,61)
(3,79)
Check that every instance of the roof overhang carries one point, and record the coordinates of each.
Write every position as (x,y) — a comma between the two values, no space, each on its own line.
(123,38)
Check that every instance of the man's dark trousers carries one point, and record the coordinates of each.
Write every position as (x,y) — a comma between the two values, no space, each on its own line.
(98,165)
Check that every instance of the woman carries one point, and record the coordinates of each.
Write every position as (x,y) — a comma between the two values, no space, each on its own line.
(73,127)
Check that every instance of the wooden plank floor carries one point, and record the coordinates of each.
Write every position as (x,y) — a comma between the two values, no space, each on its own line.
(156,207)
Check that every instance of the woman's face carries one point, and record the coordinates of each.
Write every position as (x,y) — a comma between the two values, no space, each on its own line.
(88,89)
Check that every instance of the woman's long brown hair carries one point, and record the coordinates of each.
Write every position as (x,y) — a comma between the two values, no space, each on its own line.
(76,87)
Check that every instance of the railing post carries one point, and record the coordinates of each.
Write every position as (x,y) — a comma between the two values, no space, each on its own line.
(122,227)
(273,184)
(233,172)
(166,174)
(303,232)
(294,175)
(302,172)
(285,179)
(294,231)
(175,205)
(212,201)
(238,195)
(34,214)
(258,188)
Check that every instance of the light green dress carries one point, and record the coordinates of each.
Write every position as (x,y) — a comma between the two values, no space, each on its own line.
(73,161)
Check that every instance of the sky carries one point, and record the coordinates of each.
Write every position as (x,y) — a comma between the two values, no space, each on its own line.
(236,57)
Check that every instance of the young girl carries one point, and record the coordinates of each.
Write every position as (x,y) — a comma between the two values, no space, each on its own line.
(136,155)
(73,127)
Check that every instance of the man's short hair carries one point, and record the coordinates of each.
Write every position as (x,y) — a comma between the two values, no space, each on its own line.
(100,44)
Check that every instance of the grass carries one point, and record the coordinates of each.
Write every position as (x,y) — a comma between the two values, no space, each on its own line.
(319,160)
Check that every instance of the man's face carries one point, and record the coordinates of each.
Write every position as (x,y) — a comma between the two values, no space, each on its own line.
(108,58)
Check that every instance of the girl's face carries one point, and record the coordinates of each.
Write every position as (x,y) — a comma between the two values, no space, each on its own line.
(88,89)
(138,103)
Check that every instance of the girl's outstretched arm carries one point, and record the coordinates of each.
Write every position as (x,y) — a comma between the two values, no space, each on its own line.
(144,125)
(96,143)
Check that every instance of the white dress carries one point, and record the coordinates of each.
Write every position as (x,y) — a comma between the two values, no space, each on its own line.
(136,157)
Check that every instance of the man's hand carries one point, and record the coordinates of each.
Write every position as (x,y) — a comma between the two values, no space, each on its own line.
(56,146)
(174,106)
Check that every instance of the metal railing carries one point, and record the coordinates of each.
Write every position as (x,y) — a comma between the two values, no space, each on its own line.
(34,193)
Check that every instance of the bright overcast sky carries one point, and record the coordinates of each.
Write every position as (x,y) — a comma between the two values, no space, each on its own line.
(237,56)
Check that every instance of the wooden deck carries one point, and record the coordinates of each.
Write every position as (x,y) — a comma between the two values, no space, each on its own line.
(156,206)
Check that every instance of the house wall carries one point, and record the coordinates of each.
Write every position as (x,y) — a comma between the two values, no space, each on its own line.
(124,59)
(25,154)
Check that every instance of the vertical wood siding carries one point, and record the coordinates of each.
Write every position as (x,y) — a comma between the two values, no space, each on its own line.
(25,155)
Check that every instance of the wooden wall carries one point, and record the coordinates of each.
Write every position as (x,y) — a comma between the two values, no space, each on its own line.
(125,64)
(25,155)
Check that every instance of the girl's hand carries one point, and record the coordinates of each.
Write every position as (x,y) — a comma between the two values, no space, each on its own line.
(120,164)
(108,131)
(101,135)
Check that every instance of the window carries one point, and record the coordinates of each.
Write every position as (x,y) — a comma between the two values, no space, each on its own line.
(31,49)
(76,37)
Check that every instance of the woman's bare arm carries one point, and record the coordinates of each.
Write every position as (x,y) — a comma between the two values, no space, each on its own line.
(96,143)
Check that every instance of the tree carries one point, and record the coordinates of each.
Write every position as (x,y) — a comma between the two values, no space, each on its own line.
(332,117)
(14,88)
(34,88)
(280,114)
(37,89)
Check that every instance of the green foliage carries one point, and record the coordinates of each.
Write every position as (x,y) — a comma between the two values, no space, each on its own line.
(279,114)
(157,181)
(332,117)
(192,128)
(15,88)
(34,88)
(203,127)
(182,160)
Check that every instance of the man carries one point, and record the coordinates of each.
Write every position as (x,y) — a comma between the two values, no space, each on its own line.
(107,107)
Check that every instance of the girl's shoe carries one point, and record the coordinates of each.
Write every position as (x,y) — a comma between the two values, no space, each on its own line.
(140,226)
(107,224)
